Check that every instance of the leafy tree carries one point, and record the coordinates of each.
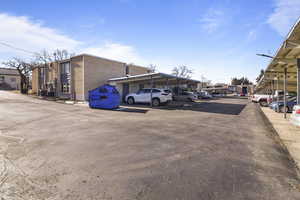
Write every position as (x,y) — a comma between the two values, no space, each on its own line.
(240,81)
(262,72)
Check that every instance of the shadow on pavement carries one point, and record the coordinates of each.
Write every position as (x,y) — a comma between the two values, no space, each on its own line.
(213,107)
(209,107)
(133,110)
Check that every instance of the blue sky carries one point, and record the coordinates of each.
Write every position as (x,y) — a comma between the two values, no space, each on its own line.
(216,38)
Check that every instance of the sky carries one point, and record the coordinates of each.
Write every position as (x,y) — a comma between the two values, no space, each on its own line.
(217,39)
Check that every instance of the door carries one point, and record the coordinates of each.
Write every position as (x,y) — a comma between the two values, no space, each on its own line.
(125,90)
(146,96)
(140,96)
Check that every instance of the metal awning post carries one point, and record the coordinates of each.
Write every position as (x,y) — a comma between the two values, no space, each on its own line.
(272,86)
(284,93)
(151,91)
(277,88)
(298,81)
(167,83)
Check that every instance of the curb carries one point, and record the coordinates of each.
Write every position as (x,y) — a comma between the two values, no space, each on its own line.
(278,140)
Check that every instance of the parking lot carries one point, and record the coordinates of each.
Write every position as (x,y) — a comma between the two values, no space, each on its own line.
(218,149)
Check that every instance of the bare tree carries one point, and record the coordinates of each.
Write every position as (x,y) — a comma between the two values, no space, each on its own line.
(152,68)
(24,69)
(182,71)
(45,57)
(40,60)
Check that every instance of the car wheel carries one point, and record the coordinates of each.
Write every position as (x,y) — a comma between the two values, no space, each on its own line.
(130,100)
(189,99)
(263,103)
(155,102)
(282,109)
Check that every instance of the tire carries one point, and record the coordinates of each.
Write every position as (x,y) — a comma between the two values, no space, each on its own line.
(282,109)
(155,102)
(263,103)
(189,100)
(130,100)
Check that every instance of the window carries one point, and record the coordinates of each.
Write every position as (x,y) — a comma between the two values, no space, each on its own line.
(147,90)
(155,90)
(127,70)
(13,79)
(65,68)
(2,78)
(65,77)
(141,86)
(140,91)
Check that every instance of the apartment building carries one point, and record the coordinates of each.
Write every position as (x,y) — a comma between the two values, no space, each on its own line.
(74,77)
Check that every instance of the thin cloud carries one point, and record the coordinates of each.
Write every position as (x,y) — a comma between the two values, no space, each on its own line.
(116,51)
(285,14)
(212,20)
(22,32)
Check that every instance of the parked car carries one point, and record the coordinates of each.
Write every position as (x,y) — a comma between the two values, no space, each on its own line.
(242,94)
(295,116)
(144,96)
(279,106)
(265,99)
(203,95)
(217,94)
(185,96)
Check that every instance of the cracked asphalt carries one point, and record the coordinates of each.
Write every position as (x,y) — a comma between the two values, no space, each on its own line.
(220,149)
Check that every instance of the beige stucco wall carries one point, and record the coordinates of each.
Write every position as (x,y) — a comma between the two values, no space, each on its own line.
(97,71)
(135,70)
(77,77)
(12,80)
(34,81)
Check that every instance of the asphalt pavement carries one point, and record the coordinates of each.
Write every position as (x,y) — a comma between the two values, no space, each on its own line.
(219,149)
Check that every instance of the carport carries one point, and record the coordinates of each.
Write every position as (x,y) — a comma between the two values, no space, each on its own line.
(130,84)
(283,71)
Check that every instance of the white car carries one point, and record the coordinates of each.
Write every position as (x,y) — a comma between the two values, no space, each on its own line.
(186,96)
(295,117)
(144,96)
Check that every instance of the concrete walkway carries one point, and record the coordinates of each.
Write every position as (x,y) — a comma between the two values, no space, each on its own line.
(288,133)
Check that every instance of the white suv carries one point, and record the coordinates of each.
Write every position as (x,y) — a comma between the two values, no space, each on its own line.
(144,96)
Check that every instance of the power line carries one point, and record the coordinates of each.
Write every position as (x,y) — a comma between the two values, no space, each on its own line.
(17,48)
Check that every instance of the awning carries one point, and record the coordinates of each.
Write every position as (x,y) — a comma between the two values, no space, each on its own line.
(149,76)
(285,57)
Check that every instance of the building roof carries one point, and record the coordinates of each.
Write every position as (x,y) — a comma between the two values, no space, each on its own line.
(8,71)
(154,75)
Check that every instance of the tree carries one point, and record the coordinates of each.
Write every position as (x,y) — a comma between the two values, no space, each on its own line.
(262,72)
(45,57)
(40,60)
(182,71)
(240,81)
(152,68)
(24,69)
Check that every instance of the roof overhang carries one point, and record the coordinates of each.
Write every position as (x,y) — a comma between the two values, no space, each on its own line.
(285,57)
(149,76)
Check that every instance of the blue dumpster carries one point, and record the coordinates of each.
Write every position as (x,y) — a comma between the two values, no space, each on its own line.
(105,96)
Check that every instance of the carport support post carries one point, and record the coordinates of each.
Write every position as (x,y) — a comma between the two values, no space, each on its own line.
(272,85)
(298,81)
(277,88)
(284,93)
(151,92)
